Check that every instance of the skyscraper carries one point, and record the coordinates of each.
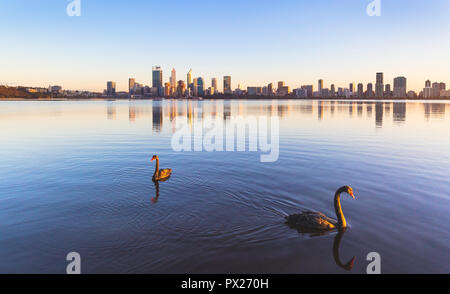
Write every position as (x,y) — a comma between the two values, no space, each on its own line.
(270,89)
(158,80)
(351,87)
(379,86)
(200,87)
(227,85)
(400,87)
(173,81)
(195,87)
(189,77)
(131,85)
(332,90)
(111,88)
(320,86)
(427,91)
(370,92)
(214,83)
(436,90)
(360,90)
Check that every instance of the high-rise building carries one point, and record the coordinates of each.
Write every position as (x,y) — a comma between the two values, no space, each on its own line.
(111,88)
(195,88)
(351,87)
(387,91)
(189,78)
(214,83)
(227,85)
(332,90)
(181,89)
(369,92)
(428,91)
(173,81)
(320,86)
(281,84)
(200,87)
(131,86)
(309,90)
(436,90)
(360,90)
(167,89)
(400,87)
(379,86)
(270,89)
(158,80)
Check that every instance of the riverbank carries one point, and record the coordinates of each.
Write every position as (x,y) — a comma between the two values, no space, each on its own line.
(222,98)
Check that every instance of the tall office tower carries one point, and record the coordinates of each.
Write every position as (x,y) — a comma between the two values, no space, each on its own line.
(442,86)
(131,85)
(189,78)
(214,83)
(351,87)
(332,90)
(200,87)
(360,90)
(387,91)
(309,90)
(158,80)
(427,91)
(195,87)
(379,86)
(167,89)
(173,80)
(281,84)
(111,88)
(400,87)
(181,88)
(227,85)
(436,90)
(370,92)
(270,89)
(320,86)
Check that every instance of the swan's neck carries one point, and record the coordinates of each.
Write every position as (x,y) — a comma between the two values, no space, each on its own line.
(156,168)
(342,223)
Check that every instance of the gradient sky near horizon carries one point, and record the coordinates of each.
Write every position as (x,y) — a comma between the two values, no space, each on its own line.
(254,41)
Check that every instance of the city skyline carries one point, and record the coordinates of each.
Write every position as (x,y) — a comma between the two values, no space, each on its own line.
(302,42)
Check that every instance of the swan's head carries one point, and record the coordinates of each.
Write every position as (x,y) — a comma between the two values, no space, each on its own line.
(349,191)
(155,157)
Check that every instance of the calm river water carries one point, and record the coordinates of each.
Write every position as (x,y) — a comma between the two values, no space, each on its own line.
(77,177)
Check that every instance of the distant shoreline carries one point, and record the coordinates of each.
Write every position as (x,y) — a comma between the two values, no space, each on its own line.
(223,98)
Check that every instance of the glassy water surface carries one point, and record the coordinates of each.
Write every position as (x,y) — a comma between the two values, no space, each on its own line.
(77,176)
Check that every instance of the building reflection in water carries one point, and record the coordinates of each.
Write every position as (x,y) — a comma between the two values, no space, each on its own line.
(359,109)
(379,114)
(434,111)
(196,111)
(369,110)
(111,110)
(399,112)
(157,116)
(320,110)
(226,110)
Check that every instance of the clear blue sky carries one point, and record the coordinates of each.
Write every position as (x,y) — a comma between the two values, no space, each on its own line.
(255,41)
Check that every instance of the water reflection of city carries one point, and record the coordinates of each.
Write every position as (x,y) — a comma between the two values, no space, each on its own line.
(168,110)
